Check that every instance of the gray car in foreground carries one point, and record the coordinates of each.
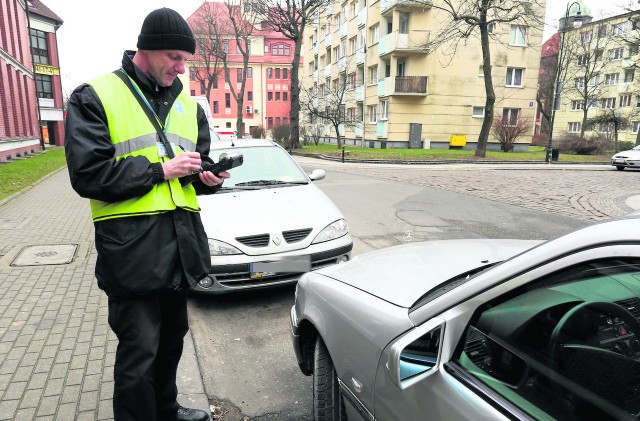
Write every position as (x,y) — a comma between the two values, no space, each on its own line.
(477,329)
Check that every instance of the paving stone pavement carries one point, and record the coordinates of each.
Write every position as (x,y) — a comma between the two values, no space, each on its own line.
(56,348)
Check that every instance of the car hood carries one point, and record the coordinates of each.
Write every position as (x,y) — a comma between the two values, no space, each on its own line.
(630,154)
(402,274)
(227,215)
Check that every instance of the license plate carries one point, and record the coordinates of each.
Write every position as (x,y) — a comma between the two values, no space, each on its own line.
(619,161)
(285,265)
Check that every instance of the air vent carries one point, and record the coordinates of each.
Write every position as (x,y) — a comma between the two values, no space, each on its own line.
(632,305)
(476,350)
(261,240)
(296,235)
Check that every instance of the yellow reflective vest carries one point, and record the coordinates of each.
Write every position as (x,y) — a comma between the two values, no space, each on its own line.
(133,134)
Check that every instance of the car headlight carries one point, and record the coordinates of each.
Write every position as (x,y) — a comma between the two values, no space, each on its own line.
(332,231)
(219,248)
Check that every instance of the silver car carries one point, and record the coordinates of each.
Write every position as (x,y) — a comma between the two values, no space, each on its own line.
(477,329)
(624,159)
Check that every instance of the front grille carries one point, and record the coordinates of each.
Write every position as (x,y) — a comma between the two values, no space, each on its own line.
(260,240)
(296,235)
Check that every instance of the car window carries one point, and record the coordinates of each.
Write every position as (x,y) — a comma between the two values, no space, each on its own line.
(263,163)
(563,347)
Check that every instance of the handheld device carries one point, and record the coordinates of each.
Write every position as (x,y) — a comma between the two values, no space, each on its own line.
(226,161)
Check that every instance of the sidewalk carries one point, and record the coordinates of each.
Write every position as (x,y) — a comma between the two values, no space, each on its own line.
(56,348)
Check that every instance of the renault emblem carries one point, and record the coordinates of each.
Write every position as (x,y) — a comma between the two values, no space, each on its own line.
(277,240)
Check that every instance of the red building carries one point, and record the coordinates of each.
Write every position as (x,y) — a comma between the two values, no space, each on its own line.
(30,86)
(267,96)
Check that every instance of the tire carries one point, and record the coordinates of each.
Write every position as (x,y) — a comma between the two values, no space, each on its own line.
(327,402)
(619,167)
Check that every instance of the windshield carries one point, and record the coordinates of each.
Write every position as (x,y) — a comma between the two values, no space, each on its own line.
(264,165)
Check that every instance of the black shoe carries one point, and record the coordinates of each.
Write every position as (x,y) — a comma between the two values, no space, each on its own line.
(190,414)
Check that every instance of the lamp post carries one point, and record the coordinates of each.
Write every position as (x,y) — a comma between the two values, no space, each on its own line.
(557,83)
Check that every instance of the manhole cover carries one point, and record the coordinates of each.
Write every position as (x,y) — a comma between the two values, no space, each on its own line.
(52,254)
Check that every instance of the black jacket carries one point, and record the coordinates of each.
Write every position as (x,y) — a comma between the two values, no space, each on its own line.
(143,254)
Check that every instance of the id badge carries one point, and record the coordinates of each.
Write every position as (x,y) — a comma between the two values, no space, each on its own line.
(162,151)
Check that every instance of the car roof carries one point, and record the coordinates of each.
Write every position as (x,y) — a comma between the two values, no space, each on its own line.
(241,143)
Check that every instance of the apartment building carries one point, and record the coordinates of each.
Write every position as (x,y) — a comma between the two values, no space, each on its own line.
(600,82)
(30,87)
(404,92)
(267,100)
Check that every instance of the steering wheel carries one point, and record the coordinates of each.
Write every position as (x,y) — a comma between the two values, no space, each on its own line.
(607,373)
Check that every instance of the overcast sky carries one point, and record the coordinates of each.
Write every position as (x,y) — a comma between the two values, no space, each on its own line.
(96,33)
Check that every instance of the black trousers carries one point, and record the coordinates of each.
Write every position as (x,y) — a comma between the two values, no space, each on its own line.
(150,333)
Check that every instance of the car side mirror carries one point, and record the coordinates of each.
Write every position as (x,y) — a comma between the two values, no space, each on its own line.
(317,175)
(417,354)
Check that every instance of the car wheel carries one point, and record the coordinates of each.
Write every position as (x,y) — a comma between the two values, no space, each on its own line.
(619,167)
(327,402)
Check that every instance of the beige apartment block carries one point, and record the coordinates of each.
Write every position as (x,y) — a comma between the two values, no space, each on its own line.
(406,93)
(601,59)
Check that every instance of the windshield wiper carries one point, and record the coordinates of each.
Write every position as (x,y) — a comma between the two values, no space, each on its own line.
(267,183)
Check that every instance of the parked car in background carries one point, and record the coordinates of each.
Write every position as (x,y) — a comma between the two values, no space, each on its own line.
(624,159)
(477,329)
(269,223)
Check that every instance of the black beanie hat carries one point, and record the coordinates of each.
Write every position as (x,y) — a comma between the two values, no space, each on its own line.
(165,29)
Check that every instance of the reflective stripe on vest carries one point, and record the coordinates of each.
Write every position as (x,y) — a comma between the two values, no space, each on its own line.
(133,134)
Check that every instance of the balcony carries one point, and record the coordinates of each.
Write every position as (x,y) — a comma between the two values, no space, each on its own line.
(414,42)
(403,86)
(362,17)
(382,128)
(404,5)
(358,129)
(360,54)
(359,93)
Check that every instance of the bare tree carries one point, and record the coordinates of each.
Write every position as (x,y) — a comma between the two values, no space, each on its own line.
(229,27)
(290,18)
(474,18)
(205,64)
(508,131)
(549,68)
(611,119)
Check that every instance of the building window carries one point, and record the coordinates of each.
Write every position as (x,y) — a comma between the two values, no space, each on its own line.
(510,116)
(602,31)
(595,80)
(278,96)
(625,100)
(352,45)
(281,50)
(617,29)
(373,113)
(635,125)
(239,76)
(277,73)
(336,53)
(384,110)
(616,54)
(586,36)
(518,35)
(225,45)
(577,105)
(477,112)
(269,96)
(249,72)
(277,121)
(611,79)
(579,82)
(514,76)
(608,103)
(214,81)
(285,74)
(628,75)
(270,123)
(39,47)
(192,74)
(216,107)
(373,75)
(605,128)
(633,49)
(250,96)
(193,92)
(491,27)
(374,34)
(227,100)
(45,88)
(285,96)
(583,59)
(574,127)
(269,73)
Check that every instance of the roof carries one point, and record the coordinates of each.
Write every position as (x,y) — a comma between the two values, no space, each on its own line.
(36,7)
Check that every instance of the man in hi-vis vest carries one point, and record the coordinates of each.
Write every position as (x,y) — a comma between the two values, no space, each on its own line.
(150,240)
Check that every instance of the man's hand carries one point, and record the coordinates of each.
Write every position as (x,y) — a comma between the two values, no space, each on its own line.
(184,164)
(210,179)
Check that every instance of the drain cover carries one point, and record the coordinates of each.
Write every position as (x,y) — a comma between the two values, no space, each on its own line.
(52,254)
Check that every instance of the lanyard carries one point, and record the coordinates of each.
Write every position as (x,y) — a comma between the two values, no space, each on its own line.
(165,127)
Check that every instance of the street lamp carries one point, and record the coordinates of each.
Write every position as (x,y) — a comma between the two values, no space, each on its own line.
(557,83)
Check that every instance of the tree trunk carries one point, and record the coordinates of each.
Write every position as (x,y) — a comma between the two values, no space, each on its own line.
(481,149)
(294,114)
